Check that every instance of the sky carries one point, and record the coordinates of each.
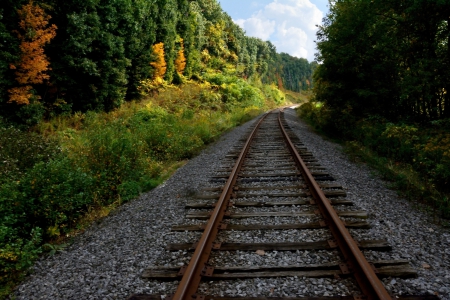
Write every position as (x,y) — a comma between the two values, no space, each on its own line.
(289,24)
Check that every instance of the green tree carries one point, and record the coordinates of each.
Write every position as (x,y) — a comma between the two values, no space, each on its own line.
(166,23)
(387,58)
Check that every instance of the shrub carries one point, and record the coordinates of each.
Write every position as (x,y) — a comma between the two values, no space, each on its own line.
(416,158)
(52,195)
(20,151)
(274,94)
(399,141)
(17,254)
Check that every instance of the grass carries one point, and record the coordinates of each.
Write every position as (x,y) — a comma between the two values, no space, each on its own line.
(299,98)
(404,179)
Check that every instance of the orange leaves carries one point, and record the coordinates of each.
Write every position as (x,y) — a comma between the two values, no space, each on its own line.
(160,64)
(20,95)
(34,34)
(180,61)
(279,80)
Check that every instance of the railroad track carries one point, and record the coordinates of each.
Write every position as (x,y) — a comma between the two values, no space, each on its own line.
(273,184)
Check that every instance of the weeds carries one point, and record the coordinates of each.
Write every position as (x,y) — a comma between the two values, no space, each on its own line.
(416,158)
(66,172)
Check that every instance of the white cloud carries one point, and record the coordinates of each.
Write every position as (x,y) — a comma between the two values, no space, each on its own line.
(289,24)
(293,39)
(257,27)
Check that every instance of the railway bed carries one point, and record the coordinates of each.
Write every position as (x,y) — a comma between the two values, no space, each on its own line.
(108,260)
(271,183)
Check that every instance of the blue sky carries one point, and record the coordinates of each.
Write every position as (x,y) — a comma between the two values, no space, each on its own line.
(288,24)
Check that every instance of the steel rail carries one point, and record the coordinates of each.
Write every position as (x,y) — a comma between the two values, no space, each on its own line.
(190,281)
(364,274)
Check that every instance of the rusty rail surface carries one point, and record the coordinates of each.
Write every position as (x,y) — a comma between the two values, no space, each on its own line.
(197,265)
(364,274)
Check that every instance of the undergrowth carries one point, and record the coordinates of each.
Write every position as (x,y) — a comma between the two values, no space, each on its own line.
(62,174)
(414,157)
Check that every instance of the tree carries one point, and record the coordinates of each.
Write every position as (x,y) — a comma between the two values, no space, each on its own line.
(34,34)
(396,64)
(166,32)
(286,71)
(180,62)
(139,35)
(159,64)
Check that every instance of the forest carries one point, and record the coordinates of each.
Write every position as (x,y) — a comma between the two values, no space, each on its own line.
(71,56)
(101,101)
(292,73)
(382,85)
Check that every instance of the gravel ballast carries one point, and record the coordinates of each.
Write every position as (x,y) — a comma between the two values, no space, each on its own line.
(106,261)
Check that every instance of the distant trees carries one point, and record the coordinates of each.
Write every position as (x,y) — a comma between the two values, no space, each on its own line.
(285,71)
(290,72)
(387,58)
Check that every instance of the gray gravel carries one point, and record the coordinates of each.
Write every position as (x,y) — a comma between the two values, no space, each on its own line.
(106,261)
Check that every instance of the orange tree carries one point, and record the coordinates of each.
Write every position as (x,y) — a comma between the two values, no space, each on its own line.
(34,34)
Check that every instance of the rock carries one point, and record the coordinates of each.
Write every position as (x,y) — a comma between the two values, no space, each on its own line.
(260,252)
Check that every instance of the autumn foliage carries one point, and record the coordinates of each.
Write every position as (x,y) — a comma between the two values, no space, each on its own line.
(279,81)
(34,34)
(180,61)
(160,64)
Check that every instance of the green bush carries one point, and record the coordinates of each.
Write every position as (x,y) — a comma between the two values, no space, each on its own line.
(21,150)
(17,254)
(52,195)
(401,152)
(112,154)
(236,91)
(274,94)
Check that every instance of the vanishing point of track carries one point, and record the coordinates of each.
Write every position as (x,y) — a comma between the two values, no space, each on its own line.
(270,142)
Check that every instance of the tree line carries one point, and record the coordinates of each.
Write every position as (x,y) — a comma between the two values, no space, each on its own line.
(57,57)
(386,58)
(288,72)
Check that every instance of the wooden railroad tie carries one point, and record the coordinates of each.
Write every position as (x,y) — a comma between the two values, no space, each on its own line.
(393,268)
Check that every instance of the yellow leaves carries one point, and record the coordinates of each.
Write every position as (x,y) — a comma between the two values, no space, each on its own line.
(404,133)
(8,256)
(180,61)
(160,64)
(34,34)
(53,231)
(205,55)
(438,145)
(158,80)
(215,35)
(233,57)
